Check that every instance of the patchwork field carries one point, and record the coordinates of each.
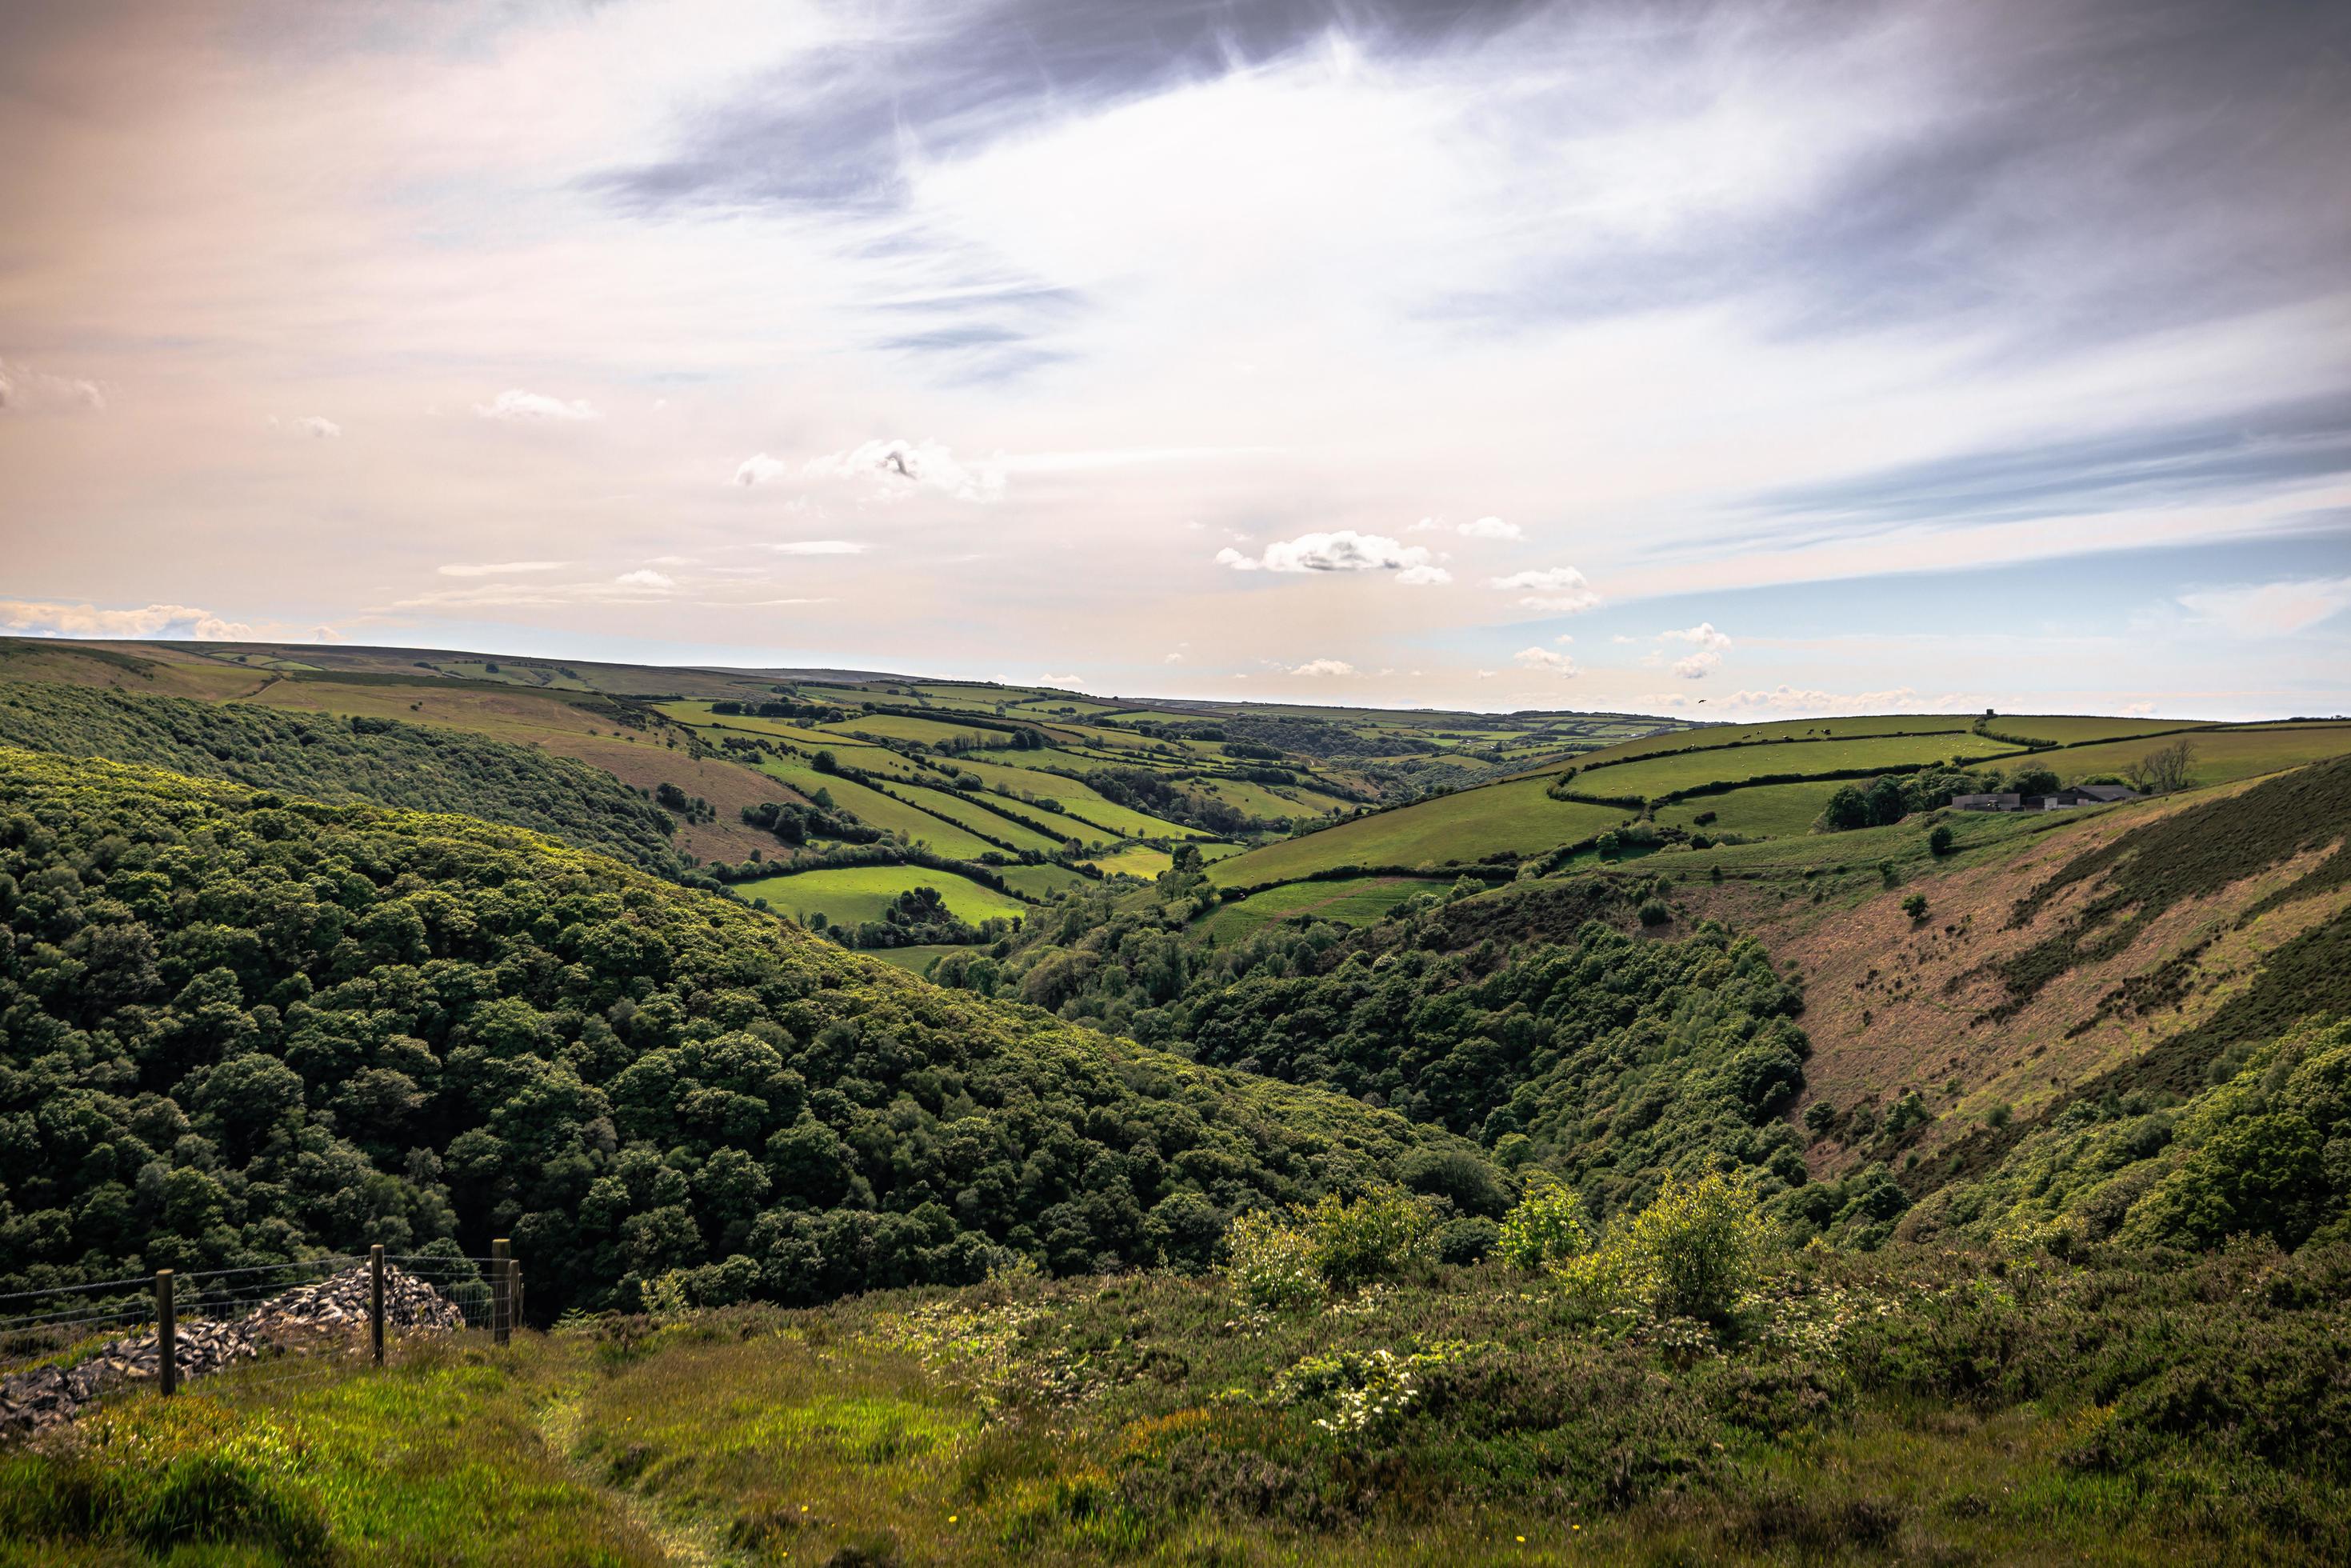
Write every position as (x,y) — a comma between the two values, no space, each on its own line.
(1351,901)
(886,812)
(1452,830)
(1139,860)
(2221,754)
(850,894)
(1661,775)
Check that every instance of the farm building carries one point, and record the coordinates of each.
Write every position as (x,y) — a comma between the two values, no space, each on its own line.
(2057,801)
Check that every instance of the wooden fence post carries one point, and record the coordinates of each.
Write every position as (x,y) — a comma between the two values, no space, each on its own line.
(501,1288)
(167,1334)
(515,1267)
(375,1302)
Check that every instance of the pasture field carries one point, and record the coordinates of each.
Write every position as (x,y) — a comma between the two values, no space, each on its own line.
(1354,901)
(929,731)
(1449,830)
(1656,776)
(1251,800)
(980,819)
(1315,800)
(876,810)
(2073,730)
(1042,881)
(1140,861)
(1896,724)
(1079,800)
(2222,755)
(851,894)
(1760,811)
(1217,852)
(914,960)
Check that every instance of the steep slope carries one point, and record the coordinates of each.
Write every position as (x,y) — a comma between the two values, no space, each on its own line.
(235,1027)
(418,767)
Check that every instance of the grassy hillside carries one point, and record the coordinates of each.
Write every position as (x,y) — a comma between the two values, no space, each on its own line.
(420,766)
(240,1025)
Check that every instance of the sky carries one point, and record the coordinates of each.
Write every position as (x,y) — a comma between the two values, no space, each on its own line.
(1733,359)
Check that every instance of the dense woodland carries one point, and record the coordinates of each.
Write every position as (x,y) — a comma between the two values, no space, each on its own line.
(238,1027)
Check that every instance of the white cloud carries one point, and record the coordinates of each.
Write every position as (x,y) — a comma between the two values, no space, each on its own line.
(1559,587)
(23,388)
(1318,667)
(31,618)
(646,578)
(1490,528)
(761,469)
(1342,550)
(1544,659)
(499,567)
(316,425)
(2272,608)
(1070,681)
(516,404)
(1173,659)
(822,546)
(894,470)
(1698,666)
(1703,634)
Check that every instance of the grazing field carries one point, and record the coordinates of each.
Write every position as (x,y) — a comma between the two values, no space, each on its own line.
(1760,811)
(1254,800)
(1451,829)
(1138,861)
(929,731)
(1081,801)
(1042,881)
(914,960)
(1682,770)
(1351,901)
(2073,730)
(886,812)
(849,894)
(980,819)
(1786,729)
(2221,754)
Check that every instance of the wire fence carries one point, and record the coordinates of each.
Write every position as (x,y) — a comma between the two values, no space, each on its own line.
(65,1346)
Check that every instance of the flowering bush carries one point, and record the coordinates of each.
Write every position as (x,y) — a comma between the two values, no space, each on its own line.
(1383,1235)
(1546,1227)
(1692,1253)
(1271,1263)
(1368,1393)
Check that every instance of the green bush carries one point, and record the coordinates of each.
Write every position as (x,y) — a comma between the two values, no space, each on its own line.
(1546,1228)
(1271,1263)
(1386,1233)
(1690,1254)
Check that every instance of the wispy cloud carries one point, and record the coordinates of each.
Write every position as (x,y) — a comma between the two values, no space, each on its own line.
(499,567)
(2272,608)
(820,547)
(1562,589)
(514,403)
(32,618)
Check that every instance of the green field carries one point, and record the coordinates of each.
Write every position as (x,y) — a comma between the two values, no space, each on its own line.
(1789,729)
(1449,830)
(849,894)
(1138,861)
(2221,754)
(1042,881)
(1253,800)
(1683,770)
(914,960)
(1772,810)
(2073,729)
(980,819)
(876,810)
(1081,801)
(1351,901)
(929,731)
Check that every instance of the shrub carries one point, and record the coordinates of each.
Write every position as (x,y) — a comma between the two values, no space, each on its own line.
(1690,1254)
(1940,841)
(1385,1233)
(1462,1177)
(1271,1263)
(1915,906)
(1654,913)
(1546,1227)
